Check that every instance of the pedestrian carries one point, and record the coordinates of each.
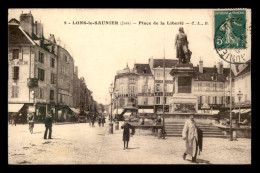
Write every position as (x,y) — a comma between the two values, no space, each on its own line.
(93,120)
(14,119)
(89,120)
(30,119)
(126,133)
(99,121)
(48,125)
(190,135)
(103,120)
(20,118)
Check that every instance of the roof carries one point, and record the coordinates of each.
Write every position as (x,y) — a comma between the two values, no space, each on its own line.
(208,72)
(14,21)
(142,67)
(246,70)
(16,36)
(169,63)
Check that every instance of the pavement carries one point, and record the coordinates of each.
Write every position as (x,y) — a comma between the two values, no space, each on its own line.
(78,143)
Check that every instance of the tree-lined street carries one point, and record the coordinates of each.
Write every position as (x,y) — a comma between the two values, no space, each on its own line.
(82,144)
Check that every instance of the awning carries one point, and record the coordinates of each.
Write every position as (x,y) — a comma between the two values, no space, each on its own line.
(77,111)
(215,111)
(145,111)
(242,111)
(127,113)
(14,107)
(119,111)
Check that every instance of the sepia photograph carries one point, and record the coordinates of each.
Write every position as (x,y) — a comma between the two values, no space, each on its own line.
(111,86)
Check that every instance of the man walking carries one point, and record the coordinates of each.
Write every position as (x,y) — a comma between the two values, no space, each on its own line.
(48,125)
(30,119)
(126,133)
(190,135)
(103,120)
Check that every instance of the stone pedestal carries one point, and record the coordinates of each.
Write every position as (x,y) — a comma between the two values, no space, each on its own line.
(183,100)
(110,128)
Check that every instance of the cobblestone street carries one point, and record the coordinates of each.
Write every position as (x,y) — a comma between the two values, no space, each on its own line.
(82,144)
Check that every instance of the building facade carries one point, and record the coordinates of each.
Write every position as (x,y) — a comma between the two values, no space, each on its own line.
(31,68)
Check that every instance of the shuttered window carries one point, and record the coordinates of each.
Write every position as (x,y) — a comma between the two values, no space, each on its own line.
(15,73)
(15,53)
(51,94)
(53,78)
(41,74)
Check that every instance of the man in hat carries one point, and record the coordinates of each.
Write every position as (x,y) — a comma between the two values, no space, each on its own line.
(190,135)
(126,133)
(48,125)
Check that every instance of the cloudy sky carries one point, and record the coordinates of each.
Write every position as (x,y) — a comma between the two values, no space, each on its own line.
(100,50)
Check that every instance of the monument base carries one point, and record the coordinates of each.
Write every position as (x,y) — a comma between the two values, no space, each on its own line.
(184,103)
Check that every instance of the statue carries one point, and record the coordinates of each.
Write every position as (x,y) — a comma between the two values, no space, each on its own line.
(182,51)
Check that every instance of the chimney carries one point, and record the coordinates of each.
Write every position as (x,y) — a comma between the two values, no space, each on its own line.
(39,30)
(220,68)
(26,22)
(201,66)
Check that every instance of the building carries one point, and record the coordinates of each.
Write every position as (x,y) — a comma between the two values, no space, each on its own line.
(142,87)
(156,66)
(65,74)
(32,69)
(125,91)
(242,84)
(41,73)
(145,88)
(212,85)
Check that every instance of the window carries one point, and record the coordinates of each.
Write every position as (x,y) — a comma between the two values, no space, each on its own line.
(157,100)
(60,98)
(15,91)
(41,57)
(215,100)
(15,53)
(158,88)
(157,75)
(15,73)
(41,93)
(51,94)
(165,100)
(209,100)
(41,74)
(52,62)
(200,99)
(132,89)
(144,89)
(53,78)
(146,101)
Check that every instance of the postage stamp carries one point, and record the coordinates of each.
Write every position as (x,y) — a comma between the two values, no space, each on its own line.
(230,29)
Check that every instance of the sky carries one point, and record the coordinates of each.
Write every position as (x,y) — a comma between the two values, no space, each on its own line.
(100,51)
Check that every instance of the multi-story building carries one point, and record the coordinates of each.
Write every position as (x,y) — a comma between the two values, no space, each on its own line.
(156,66)
(242,84)
(125,91)
(41,74)
(145,88)
(142,87)
(212,85)
(65,74)
(32,68)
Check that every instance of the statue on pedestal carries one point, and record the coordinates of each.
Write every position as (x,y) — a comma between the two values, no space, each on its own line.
(182,51)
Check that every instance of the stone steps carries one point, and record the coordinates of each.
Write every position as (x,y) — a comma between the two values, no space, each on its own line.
(175,130)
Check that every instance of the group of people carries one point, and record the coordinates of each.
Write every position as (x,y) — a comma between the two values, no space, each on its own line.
(92,118)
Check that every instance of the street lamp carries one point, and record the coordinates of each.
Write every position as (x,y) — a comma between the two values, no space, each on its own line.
(117,123)
(239,95)
(111,123)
